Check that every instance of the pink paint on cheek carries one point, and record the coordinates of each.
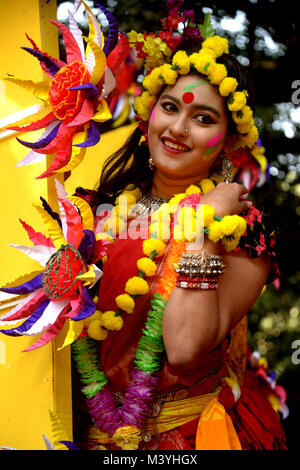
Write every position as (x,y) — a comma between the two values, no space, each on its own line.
(152,115)
(214,141)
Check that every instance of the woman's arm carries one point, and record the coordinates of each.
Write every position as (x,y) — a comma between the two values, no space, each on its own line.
(195,320)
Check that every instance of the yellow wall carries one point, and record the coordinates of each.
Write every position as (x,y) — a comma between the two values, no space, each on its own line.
(32,383)
(28,380)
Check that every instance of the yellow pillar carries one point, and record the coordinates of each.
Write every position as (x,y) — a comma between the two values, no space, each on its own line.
(31,383)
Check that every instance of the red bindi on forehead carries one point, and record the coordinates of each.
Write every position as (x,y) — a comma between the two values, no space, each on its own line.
(188,97)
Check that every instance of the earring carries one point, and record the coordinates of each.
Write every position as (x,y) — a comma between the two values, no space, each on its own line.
(151,164)
(227,167)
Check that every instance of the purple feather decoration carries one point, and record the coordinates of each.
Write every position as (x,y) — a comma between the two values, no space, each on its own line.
(50,64)
(29,322)
(27,287)
(86,245)
(104,412)
(89,88)
(139,398)
(112,38)
(93,136)
(88,308)
(43,142)
(48,209)
(70,445)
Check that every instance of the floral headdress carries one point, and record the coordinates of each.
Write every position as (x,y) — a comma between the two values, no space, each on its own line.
(163,68)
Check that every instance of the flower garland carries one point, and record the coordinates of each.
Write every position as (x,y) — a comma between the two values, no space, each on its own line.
(189,219)
(124,425)
(203,62)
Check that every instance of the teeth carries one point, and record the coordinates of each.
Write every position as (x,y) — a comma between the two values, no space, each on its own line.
(174,146)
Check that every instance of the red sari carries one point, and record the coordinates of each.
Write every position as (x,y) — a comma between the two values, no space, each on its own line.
(256,423)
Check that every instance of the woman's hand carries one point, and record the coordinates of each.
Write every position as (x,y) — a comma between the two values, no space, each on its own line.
(227,199)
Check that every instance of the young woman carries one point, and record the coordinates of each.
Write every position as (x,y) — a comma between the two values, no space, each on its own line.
(184,386)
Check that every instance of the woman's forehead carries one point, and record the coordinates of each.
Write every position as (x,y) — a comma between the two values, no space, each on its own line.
(191,88)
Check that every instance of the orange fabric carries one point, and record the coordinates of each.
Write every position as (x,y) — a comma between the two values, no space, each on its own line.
(215,429)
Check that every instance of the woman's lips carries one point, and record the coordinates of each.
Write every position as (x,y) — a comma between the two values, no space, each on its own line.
(174,146)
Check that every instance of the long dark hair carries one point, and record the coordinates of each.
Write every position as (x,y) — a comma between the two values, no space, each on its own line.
(129,165)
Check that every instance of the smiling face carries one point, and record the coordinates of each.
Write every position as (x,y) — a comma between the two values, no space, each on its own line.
(187,129)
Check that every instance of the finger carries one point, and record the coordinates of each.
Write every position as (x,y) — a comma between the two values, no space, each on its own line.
(243,189)
(246,205)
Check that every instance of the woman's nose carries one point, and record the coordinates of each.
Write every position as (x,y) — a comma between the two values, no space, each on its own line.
(178,127)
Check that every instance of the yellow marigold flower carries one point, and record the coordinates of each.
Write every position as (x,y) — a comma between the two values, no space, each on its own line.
(245,128)
(155,244)
(250,139)
(97,315)
(96,331)
(141,109)
(204,64)
(241,227)
(181,60)
(207,51)
(174,201)
(159,230)
(237,101)
(133,37)
(206,185)
(192,229)
(228,224)
(243,116)
(126,198)
(193,189)
(218,44)
(214,231)
(104,236)
(218,74)
(208,215)
(178,233)
(125,302)
(147,99)
(134,190)
(136,286)
(227,86)
(147,266)
(230,243)
(169,75)
(111,321)
(153,82)
(185,214)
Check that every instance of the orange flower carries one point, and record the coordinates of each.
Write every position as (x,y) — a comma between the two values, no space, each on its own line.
(66,103)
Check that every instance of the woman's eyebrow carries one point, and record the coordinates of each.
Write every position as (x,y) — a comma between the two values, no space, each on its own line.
(193,106)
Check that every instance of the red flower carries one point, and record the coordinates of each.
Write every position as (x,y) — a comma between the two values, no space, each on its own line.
(59,277)
(66,103)
(253,215)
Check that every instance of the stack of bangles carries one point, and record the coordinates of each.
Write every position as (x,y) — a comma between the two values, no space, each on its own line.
(199,271)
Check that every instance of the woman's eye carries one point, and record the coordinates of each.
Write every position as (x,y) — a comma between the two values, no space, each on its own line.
(204,119)
(170,107)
